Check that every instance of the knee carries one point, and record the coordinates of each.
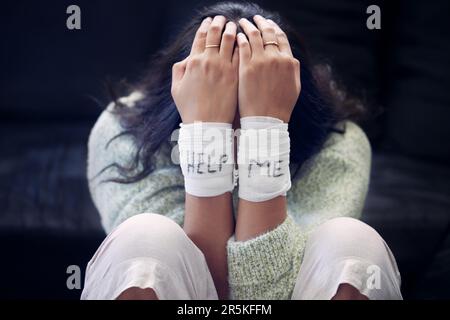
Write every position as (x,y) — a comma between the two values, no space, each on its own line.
(151,251)
(151,235)
(150,225)
(346,229)
(346,236)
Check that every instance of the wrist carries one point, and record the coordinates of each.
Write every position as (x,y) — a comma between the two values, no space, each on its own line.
(206,158)
(207,114)
(284,117)
(203,119)
(263,158)
(259,122)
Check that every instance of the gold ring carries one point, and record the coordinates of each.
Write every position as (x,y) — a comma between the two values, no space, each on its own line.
(212,46)
(271,42)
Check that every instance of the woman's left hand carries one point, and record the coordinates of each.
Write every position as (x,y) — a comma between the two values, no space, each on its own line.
(269,75)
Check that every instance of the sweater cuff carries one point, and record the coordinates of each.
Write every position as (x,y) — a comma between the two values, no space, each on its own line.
(266,258)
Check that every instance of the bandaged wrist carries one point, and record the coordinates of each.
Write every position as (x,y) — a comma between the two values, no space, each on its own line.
(206,158)
(263,159)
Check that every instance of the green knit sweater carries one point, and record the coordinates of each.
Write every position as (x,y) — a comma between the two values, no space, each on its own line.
(333,183)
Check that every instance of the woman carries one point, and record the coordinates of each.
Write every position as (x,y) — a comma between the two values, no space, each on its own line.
(294,234)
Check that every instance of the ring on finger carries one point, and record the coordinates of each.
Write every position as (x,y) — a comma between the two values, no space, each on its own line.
(212,46)
(268,43)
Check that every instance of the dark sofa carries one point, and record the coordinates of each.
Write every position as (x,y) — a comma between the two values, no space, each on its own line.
(52,90)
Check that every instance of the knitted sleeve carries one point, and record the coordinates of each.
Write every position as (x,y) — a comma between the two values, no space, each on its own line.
(161,192)
(332,183)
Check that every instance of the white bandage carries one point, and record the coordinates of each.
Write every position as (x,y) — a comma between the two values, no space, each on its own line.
(263,159)
(206,158)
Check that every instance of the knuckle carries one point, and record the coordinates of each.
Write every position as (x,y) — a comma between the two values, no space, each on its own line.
(255,33)
(194,62)
(285,59)
(228,37)
(273,60)
(281,34)
(214,28)
(244,43)
(290,63)
(209,65)
(201,33)
(206,64)
(269,30)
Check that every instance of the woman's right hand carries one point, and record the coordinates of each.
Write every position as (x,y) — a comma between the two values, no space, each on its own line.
(204,85)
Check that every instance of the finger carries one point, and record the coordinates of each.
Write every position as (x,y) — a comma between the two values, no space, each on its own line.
(283,42)
(178,70)
(268,33)
(235,58)
(228,39)
(198,44)
(254,36)
(214,34)
(245,52)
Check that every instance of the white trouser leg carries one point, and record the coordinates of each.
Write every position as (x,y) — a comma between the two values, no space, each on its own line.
(149,251)
(346,250)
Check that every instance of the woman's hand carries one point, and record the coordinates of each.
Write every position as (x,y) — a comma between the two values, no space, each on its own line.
(204,85)
(269,76)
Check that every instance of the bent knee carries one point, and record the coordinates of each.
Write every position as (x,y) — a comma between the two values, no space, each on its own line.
(346,236)
(150,235)
(151,251)
(346,229)
(148,225)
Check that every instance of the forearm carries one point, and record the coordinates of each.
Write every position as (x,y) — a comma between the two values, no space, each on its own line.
(209,224)
(264,176)
(208,174)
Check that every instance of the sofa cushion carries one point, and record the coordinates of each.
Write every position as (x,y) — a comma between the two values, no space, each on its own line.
(418,81)
(408,205)
(43,179)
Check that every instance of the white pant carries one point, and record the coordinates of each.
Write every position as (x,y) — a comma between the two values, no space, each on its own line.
(152,251)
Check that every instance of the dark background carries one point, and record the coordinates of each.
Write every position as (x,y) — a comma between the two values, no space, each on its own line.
(52,90)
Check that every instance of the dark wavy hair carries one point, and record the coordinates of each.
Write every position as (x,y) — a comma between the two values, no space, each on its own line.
(152,120)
